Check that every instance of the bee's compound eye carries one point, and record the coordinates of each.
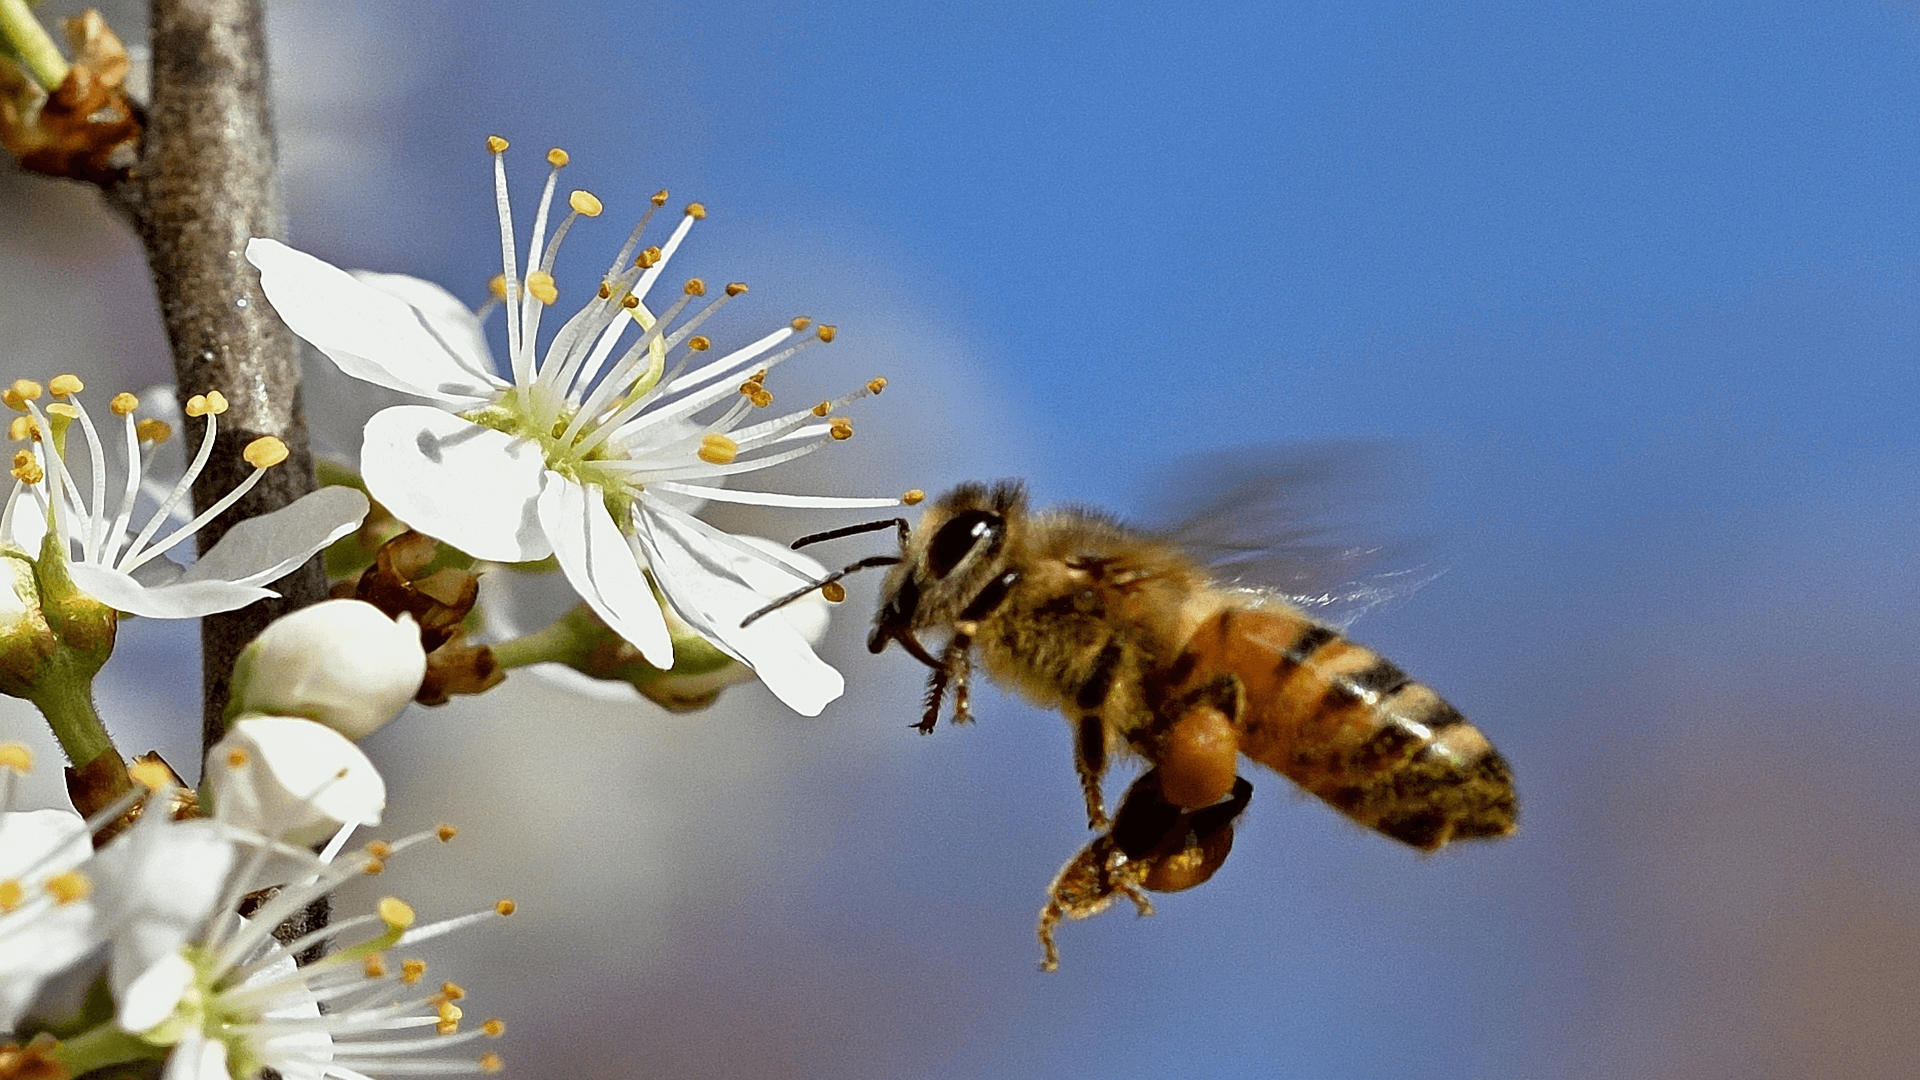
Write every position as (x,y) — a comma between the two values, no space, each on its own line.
(958,537)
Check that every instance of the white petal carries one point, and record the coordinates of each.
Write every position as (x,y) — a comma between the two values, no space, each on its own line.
(49,841)
(196,1057)
(466,340)
(150,997)
(37,941)
(167,600)
(293,779)
(713,586)
(602,567)
(267,548)
(455,480)
(368,333)
(155,886)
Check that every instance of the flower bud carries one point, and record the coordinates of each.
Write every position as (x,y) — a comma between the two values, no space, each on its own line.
(340,662)
(292,778)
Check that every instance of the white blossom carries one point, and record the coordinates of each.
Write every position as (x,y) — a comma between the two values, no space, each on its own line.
(119,563)
(595,449)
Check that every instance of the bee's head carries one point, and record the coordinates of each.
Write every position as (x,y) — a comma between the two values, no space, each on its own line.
(950,556)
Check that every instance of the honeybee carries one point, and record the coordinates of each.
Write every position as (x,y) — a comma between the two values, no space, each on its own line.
(1144,652)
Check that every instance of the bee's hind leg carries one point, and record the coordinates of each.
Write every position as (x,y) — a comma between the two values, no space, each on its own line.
(1198,751)
(1087,886)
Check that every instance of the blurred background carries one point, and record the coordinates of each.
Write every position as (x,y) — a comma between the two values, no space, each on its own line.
(1630,291)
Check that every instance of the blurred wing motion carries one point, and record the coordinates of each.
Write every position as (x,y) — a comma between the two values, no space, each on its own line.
(1322,523)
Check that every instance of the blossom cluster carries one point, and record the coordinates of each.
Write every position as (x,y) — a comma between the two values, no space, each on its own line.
(147,930)
(162,926)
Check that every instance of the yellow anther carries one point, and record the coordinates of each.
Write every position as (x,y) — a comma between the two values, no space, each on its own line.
(452,991)
(505,907)
(913,497)
(265,452)
(16,756)
(584,203)
(498,286)
(10,894)
(236,758)
(605,291)
(826,333)
(450,1015)
(494,1028)
(152,431)
(63,385)
(446,833)
(490,1062)
(717,449)
(735,288)
(22,428)
(395,912)
(123,404)
(660,197)
(834,592)
(629,302)
(23,391)
(212,402)
(876,384)
(557,158)
(761,398)
(379,849)
(649,258)
(64,410)
(841,428)
(800,324)
(374,867)
(496,144)
(694,287)
(696,211)
(823,408)
(699,343)
(412,971)
(540,285)
(69,888)
(375,967)
(152,775)
(26,469)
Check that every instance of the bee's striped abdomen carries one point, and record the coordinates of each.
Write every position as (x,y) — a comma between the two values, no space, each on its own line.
(1353,729)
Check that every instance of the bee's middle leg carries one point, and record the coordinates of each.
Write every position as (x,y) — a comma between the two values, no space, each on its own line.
(1090,733)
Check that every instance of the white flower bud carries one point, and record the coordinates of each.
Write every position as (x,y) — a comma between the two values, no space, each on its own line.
(341,662)
(292,778)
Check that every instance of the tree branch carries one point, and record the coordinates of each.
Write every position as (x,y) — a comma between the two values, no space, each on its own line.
(207,182)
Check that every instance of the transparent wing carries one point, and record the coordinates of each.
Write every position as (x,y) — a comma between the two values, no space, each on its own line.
(1321,523)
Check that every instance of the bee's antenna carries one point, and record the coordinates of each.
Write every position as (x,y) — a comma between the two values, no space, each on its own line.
(869,561)
(854,530)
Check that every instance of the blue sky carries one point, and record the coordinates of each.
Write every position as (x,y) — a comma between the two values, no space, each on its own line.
(1631,286)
